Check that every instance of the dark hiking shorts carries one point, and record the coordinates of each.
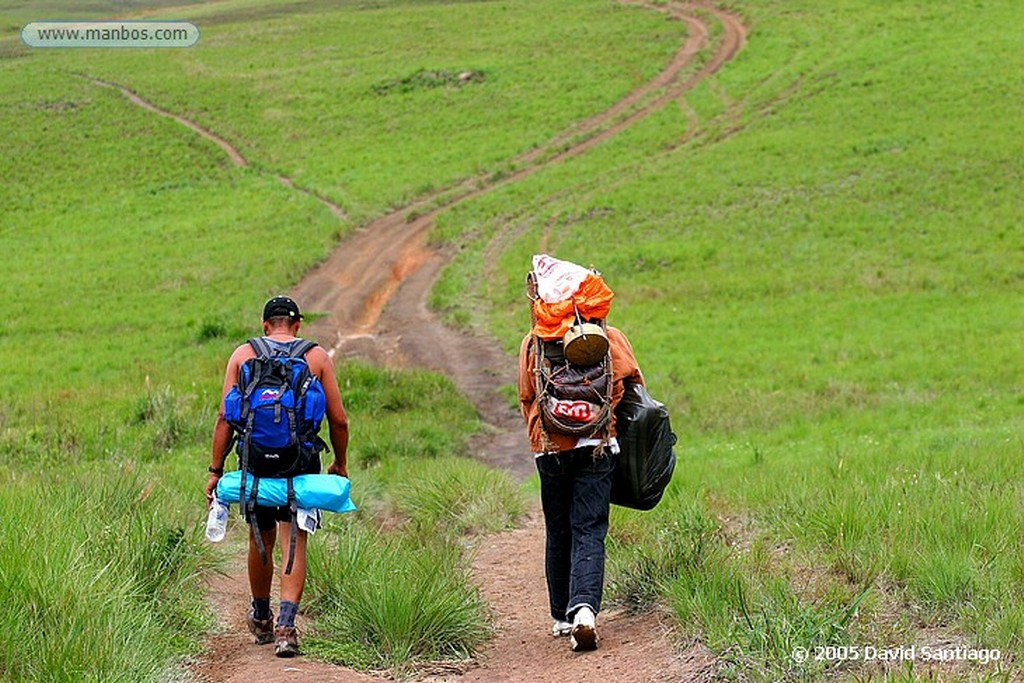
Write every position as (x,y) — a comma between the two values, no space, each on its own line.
(268,517)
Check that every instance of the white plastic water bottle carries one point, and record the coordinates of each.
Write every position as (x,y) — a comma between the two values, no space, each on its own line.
(217,521)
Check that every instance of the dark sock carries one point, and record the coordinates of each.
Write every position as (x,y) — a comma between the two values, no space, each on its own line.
(286,613)
(261,608)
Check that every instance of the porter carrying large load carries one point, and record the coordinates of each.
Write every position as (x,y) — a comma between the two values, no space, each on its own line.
(575,385)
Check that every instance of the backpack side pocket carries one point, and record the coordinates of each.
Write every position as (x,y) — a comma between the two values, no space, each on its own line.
(233,408)
(315,405)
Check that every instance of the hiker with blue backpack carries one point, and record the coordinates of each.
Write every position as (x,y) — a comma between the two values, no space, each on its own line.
(277,390)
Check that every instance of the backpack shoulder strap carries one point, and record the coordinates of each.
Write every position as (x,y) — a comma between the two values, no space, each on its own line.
(261,347)
(301,348)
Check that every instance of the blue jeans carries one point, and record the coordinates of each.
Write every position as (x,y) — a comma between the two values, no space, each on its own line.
(574,492)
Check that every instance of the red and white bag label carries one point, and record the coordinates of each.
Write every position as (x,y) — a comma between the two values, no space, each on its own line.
(575,411)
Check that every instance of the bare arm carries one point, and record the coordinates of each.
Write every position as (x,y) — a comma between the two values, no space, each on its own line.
(337,420)
(527,390)
(221,428)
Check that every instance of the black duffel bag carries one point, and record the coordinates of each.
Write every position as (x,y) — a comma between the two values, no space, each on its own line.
(646,459)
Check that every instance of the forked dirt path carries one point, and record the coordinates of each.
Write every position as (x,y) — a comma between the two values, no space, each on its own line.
(374,286)
(373,290)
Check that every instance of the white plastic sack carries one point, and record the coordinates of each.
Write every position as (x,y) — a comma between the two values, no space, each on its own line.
(557,280)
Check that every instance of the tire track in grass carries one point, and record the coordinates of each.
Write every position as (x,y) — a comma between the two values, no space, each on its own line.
(234,155)
(230,150)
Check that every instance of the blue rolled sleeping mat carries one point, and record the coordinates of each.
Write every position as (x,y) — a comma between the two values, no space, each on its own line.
(320,491)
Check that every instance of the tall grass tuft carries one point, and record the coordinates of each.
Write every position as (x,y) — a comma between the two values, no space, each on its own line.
(643,558)
(722,587)
(387,601)
(458,496)
(98,584)
(169,417)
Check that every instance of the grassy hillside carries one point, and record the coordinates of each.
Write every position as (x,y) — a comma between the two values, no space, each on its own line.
(138,224)
(138,256)
(819,263)
(816,255)
(356,101)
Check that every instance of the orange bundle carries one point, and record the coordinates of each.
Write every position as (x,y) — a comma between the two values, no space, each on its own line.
(593,299)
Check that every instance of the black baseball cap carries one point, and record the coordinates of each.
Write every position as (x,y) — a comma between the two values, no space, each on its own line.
(281,306)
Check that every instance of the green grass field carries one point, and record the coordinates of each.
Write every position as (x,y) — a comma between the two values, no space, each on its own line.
(829,300)
(817,256)
(140,256)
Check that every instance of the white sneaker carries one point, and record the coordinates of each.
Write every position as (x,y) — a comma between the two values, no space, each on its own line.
(560,628)
(584,631)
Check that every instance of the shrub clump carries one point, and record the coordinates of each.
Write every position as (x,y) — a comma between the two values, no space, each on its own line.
(424,79)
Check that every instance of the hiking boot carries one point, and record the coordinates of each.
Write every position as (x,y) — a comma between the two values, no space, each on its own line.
(584,631)
(286,641)
(560,628)
(263,629)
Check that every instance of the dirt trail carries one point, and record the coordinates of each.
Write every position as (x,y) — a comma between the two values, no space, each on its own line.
(232,152)
(374,286)
(631,649)
(231,656)
(374,290)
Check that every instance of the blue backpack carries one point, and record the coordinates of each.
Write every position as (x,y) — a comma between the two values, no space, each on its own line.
(276,409)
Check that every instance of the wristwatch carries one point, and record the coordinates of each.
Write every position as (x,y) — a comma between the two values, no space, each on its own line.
(216,470)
